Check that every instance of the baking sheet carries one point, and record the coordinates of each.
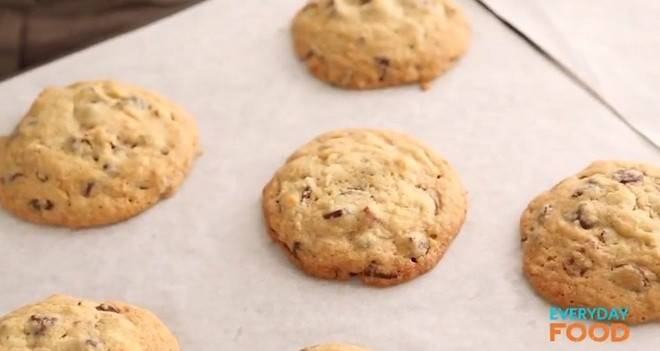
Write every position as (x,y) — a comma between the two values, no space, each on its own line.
(608,44)
(508,121)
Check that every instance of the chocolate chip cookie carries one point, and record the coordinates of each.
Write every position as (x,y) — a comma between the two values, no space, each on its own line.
(334,347)
(95,153)
(363,44)
(63,323)
(593,240)
(376,205)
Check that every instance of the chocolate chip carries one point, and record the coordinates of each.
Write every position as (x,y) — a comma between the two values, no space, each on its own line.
(372,271)
(91,343)
(107,308)
(547,209)
(165,152)
(586,224)
(334,214)
(545,212)
(633,277)
(38,205)
(364,2)
(40,324)
(306,194)
(296,247)
(309,55)
(587,219)
(417,244)
(113,146)
(574,268)
(88,189)
(80,146)
(42,177)
(577,193)
(15,176)
(626,176)
(382,64)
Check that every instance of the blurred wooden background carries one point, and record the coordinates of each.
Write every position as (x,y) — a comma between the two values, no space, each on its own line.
(36,31)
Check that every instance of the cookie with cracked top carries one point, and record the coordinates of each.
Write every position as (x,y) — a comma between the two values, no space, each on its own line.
(372,204)
(334,347)
(593,239)
(364,44)
(95,153)
(64,323)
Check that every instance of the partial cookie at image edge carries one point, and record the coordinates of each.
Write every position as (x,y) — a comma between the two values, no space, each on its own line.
(581,240)
(369,64)
(95,153)
(62,322)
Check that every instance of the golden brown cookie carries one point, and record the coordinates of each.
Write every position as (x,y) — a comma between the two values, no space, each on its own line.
(95,153)
(63,323)
(363,44)
(334,347)
(372,204)
(593,240)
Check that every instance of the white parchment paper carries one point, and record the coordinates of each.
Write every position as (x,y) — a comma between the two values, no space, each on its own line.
(509,122)
(613,46)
